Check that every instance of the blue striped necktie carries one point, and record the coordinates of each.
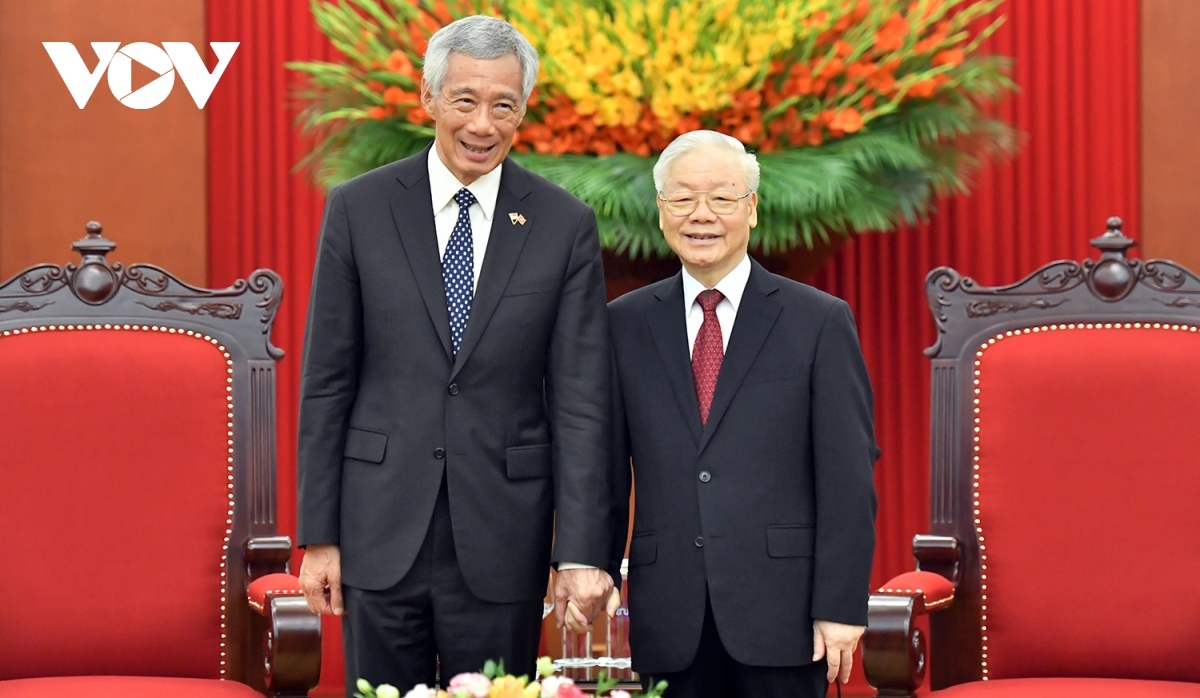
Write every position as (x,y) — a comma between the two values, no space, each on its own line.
(458,269)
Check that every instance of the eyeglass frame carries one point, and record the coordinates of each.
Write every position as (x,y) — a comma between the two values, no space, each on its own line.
(703,195)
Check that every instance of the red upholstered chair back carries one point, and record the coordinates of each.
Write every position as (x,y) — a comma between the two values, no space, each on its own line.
(119,501)
(1065,456)
(137,462)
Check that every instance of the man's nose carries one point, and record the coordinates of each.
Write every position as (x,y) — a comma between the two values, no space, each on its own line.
(481,122)
(703,212)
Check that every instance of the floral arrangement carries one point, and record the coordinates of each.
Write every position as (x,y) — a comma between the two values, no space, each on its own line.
(860,111)
(494,683)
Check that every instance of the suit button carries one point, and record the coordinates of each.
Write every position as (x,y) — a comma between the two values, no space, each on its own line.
(453,389)
(705,476)
(439,453)
(699,541)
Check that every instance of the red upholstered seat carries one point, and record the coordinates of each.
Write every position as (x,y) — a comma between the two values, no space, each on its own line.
(1064,488)
(125,687)
(1069,688)
(138,481)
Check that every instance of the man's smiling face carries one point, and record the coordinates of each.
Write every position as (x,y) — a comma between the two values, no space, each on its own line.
(710,245)
(477,112)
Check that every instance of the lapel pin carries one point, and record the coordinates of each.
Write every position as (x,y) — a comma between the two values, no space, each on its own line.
(514,216)
(521,219)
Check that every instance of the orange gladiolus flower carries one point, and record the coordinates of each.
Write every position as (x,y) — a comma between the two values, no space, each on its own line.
(832,68)
(842,48)
(418,115)
(924,88)
(442,12)
(891,36)
(847,121)
(399,62)
(952,57)
(396,96)
(375,86)
(379,112)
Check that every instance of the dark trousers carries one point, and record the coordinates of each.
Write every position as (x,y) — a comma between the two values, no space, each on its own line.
(714,674)
(399,635)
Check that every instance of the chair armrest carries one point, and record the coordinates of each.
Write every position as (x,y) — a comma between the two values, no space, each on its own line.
(894,651)
(292,646)
(267,555)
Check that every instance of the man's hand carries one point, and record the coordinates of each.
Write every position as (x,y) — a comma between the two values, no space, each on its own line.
(321,579)
(579,596)
(838,641)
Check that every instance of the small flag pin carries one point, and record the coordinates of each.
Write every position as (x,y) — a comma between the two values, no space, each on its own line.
(513,217)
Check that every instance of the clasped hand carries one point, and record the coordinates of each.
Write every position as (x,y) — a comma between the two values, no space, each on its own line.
(580,595)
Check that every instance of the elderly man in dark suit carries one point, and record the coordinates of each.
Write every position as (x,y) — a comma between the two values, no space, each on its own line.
(743,399)
(455,391)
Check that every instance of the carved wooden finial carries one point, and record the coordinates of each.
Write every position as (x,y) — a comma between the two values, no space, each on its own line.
(93,246)
(1112,278)
(1113,244)
(94,281)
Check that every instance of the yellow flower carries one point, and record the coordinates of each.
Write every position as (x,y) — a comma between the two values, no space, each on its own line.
(507,687)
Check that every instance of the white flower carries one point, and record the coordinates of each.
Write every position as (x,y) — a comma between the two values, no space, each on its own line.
(386,690)
(421,691)
(618,693)
(550,685)
(469,686)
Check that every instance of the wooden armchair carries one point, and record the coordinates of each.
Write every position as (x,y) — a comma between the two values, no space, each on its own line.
(140,549)
(1064,486)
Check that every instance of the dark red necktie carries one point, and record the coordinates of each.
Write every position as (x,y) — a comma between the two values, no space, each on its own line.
(708,352)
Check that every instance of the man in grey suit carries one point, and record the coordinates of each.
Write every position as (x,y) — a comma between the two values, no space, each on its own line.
(455,398)
(743,400)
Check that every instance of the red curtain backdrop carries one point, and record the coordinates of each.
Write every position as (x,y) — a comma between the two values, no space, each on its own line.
(1076,62)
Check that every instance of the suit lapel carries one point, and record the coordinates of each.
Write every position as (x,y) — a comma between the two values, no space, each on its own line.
(668,326)
(412,212)
(756,316)
(504,246)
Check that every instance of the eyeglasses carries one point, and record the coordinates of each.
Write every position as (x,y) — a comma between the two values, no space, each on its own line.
(720,201)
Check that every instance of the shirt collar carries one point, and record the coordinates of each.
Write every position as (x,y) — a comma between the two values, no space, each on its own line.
(443,185)
(732,286)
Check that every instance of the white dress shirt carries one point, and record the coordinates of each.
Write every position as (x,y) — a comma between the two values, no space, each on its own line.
(443,185)
(732,287)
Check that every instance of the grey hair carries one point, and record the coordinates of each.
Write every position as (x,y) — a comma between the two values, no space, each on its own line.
(694,140)
(482,38)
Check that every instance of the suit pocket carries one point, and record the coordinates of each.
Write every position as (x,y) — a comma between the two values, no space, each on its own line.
(790,541)
(643,549)
(524,462)
(365,445)
(528,290)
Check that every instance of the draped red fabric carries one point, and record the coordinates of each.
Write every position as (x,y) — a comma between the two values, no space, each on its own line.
(1076,62)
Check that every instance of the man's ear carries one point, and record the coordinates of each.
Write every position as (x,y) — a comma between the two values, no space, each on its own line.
(753,209)
(426,96)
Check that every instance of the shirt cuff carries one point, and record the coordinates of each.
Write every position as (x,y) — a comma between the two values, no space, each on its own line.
(574,566)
